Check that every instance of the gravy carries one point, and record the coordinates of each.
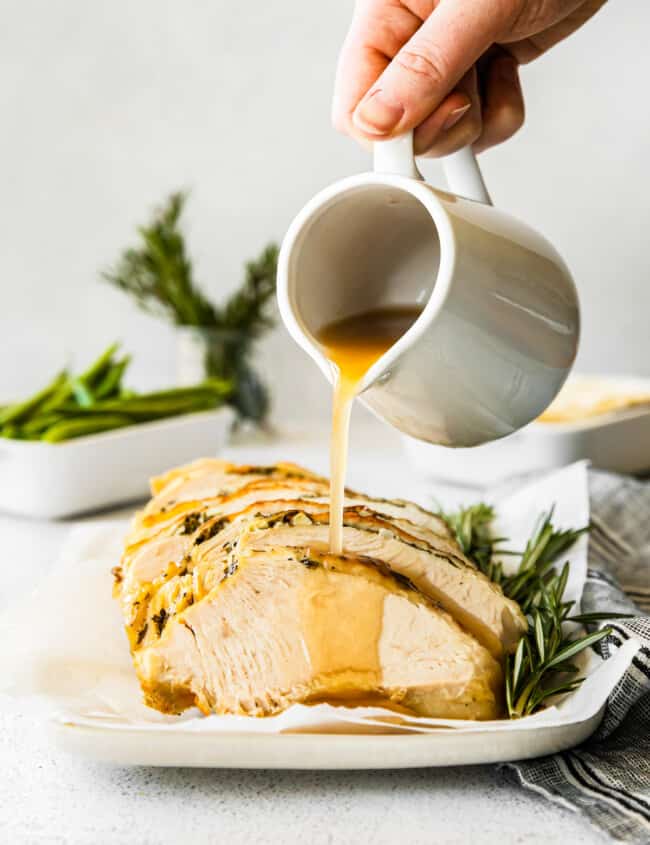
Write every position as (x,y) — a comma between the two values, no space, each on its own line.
(353,345)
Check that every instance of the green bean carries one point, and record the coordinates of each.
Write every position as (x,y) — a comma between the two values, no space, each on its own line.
(155,405)
(98,368)
(82,393)
(38,424)
(58,398)
(81,426)
(214,386)
(95,401)
(142,411)
(79,386)
(111,381)
(151,402)
(22,410)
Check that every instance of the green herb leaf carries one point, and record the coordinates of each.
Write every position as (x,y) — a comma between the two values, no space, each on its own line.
(576,646)
(588,618)
(518,663)
(539,636)
(544,693)
(158,273)
(471,527)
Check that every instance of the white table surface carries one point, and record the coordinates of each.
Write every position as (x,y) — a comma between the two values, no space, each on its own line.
(48,796)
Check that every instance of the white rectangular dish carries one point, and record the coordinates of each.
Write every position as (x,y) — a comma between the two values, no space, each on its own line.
(617,442)
(54,480)
(85,687)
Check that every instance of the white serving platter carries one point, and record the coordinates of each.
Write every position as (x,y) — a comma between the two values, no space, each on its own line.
(84,687)
(55,480)
(133,747)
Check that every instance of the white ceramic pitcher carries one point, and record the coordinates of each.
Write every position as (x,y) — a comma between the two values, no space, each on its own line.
(500,322)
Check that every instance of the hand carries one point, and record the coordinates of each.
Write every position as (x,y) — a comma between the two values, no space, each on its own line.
(447,68)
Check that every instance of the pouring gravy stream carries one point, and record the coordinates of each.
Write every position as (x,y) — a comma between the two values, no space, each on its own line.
(353,345)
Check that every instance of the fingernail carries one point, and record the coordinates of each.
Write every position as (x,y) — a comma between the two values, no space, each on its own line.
(454,116)
(377,113)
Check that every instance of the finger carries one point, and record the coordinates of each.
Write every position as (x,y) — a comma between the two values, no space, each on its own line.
(369,46)
(459,126)
(448,113)
(429,65)
(358,68)
(503,102)
(534,44)
(559,17)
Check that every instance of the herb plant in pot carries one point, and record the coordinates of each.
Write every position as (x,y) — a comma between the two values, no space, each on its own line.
(213,340)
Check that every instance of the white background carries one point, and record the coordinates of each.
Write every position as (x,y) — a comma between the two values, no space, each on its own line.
(106,107)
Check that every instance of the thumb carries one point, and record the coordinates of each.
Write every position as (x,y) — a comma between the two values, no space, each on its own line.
(429,65)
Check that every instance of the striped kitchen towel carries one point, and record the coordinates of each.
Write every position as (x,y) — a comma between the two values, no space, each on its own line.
(608,777)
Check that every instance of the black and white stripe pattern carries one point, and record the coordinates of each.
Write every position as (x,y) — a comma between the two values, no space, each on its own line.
(608,777)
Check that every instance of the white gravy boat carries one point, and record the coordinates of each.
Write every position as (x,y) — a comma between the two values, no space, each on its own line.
(500,325)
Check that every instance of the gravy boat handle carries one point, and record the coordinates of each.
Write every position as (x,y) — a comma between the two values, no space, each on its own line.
(462,171)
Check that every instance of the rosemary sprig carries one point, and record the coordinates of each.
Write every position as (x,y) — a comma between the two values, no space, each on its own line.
(158,275)
(541,666)
(246,310)
(471,527)
(535,571)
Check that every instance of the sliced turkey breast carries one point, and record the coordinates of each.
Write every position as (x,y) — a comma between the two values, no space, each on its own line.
(210,483)
(296,626)
(209,478)
(176,518)
(148,581)
(232,602)
(399,509)
(241,497)
(472,599)
(152,556)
